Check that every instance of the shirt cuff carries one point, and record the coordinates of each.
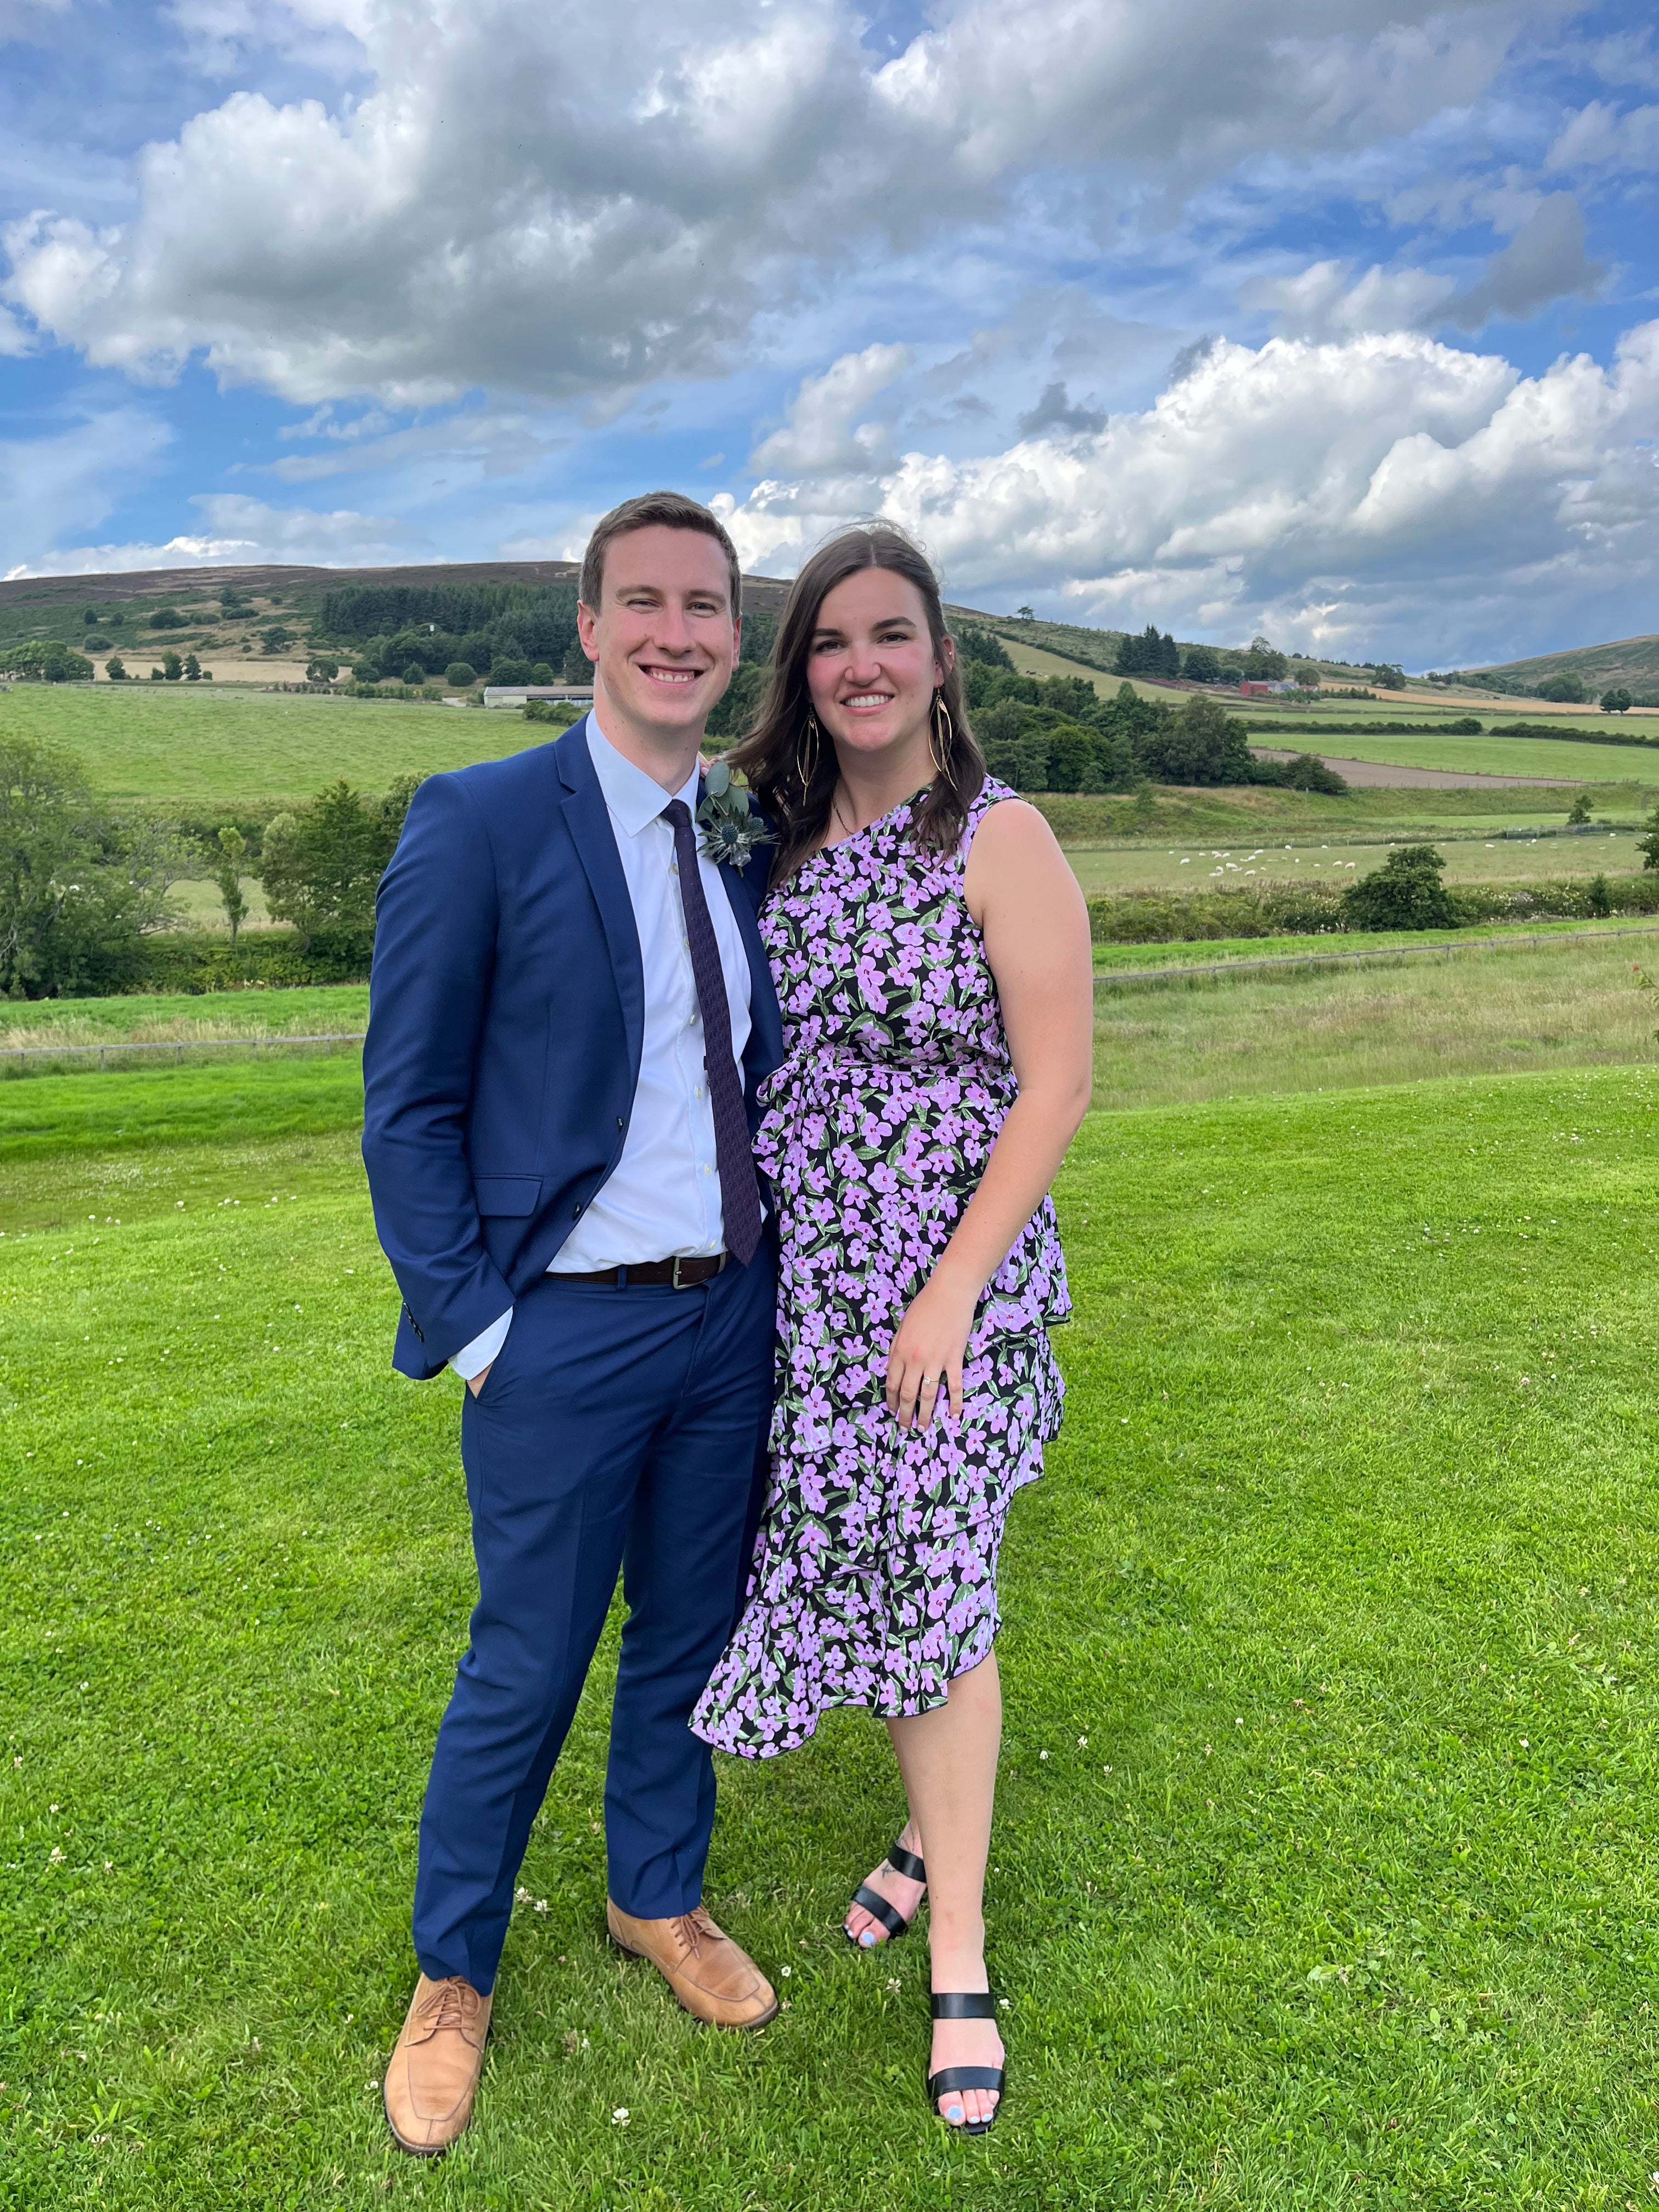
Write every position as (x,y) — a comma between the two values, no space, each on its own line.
(484,1349)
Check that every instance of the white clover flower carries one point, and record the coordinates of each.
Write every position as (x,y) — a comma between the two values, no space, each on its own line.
(619,2117)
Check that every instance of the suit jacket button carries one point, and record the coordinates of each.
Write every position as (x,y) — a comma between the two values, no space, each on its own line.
(621,1124)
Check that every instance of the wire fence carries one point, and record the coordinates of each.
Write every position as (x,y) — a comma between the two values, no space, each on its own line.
(84,1055)
(1110,977)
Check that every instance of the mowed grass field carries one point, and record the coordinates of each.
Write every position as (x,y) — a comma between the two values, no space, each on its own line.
(1323,1874)
(196,743)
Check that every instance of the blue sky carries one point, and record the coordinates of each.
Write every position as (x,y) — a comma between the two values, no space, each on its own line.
(1333,320)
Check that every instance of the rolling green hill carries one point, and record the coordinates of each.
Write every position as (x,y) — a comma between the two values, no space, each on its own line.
(1633,661)
(55,607)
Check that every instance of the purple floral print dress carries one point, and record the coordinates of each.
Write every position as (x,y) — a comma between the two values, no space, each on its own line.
(874,1576)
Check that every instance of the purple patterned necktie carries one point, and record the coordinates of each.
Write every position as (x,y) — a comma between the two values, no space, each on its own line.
(741,1201)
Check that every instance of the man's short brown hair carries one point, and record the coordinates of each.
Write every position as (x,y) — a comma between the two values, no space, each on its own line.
(673,510)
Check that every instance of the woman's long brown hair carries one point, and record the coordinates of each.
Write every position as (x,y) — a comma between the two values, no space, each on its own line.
(778,749)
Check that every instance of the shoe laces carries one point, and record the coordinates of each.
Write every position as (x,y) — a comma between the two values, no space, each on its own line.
(691,1927)
(447,2006)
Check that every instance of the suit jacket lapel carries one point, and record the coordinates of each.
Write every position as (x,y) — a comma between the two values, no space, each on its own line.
(595,840)
(765,1023)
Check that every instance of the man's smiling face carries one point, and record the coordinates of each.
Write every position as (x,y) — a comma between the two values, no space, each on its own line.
(664,637)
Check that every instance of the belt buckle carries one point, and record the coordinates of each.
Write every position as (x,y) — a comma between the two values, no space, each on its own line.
(675,1278)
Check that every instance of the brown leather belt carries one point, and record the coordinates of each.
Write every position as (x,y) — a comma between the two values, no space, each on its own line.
(681,1274)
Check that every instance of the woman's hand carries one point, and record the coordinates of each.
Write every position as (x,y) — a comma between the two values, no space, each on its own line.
(927,1349)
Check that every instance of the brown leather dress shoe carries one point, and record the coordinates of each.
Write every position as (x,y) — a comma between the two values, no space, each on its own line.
(713,1977)
(433,2074)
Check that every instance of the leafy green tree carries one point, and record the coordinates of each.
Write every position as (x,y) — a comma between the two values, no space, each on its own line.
(321,866)
(736,712)
(275,639)
(1580,812)
(79,885)
(1026,614)
(510,671)
(116,668)
(1070,756)
(460,676)
(1405,893)
(322,670)
(1565,690)
(1598,899)
(228,874)
(414,673)
(576,667)
(47,660)
(1648,846)
(1201,745)
(193,669)
(172,668)
(975,644)
(1263,663)
(89,615)
(1202,664)
(1307,772)
(167,618)
(1616,700)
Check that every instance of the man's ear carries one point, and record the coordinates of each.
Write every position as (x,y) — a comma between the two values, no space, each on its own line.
(587,623)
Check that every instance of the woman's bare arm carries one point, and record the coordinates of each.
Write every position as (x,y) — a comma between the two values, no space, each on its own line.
(1029,906)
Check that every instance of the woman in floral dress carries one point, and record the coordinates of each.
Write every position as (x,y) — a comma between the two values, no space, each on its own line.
(931,950)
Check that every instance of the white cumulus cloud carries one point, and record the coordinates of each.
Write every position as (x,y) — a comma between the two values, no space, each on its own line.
(1332,491)
(246,531)
(575,202)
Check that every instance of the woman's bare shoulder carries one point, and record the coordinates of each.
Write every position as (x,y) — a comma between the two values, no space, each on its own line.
(1011,833)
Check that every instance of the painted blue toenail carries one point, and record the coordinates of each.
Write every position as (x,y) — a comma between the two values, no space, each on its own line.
(954,2113)
(868,1940)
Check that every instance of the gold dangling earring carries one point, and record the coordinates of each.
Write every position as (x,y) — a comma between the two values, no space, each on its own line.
(802,769)
(941,739)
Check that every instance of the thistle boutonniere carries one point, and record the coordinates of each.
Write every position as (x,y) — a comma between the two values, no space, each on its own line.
(731,831)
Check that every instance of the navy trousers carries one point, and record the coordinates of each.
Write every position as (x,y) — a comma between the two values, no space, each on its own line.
(618,1429)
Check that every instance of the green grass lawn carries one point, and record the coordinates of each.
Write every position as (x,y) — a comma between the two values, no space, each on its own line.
(1323,1874)
(204,742)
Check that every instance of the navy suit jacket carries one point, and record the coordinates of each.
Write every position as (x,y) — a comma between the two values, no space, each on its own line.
(507,1014)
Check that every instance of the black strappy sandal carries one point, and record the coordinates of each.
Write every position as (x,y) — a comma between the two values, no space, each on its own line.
(965,2004)
(901,1861)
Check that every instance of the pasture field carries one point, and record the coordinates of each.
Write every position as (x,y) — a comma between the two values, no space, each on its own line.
(199,743)
(1323,1875)
(1490,754)
(1468,861)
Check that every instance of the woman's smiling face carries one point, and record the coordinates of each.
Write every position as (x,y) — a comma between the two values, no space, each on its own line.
(871,670)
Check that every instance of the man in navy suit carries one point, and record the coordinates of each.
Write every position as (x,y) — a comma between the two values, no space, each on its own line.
(570,1016)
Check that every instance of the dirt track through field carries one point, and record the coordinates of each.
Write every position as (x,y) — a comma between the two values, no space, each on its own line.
(1377,775)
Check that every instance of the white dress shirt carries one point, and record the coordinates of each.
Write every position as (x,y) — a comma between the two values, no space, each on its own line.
(663,1199)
